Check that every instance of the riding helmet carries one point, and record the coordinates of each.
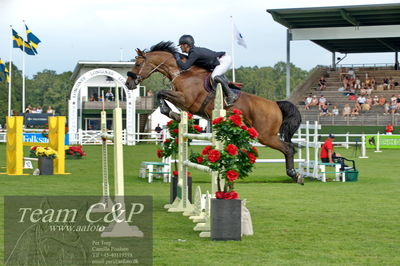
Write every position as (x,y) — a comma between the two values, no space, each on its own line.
(186,39)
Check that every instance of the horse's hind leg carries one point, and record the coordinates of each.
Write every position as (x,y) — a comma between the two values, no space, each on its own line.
(288,150)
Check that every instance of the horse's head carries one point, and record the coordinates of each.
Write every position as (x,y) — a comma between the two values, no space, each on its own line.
(139,71)
(156,60)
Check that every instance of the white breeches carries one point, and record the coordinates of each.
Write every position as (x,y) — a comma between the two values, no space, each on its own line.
(224,64)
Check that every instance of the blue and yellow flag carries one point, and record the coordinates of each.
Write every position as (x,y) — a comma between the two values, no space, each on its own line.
(4,69)
(17,40)
(29,49)
(32,39)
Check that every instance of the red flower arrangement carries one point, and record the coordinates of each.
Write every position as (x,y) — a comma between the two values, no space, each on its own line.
(236,160)
(74,152)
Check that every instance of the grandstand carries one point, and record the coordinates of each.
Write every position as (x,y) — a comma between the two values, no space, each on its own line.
(345,30)
(373,117)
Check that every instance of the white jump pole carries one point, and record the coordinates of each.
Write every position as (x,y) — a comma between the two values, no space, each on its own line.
(120,228)
(105,200)
(363,148)
(300,156)
(378,142)
(307,147)
(218,111)
(316,155)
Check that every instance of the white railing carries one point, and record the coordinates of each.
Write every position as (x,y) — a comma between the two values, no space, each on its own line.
(3,136)
(93,137)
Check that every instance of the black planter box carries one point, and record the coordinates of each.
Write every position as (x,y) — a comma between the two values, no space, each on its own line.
(174,188)
(226,219)
(46,166)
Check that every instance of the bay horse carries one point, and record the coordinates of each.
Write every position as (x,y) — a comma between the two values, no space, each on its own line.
(188,93)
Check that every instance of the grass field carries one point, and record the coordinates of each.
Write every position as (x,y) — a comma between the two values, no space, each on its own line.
(330,223)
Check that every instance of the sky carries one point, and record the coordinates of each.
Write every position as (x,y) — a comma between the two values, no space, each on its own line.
(103,30)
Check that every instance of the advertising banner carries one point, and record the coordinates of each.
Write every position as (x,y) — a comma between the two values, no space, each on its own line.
(36,119)
(39,138)
(385,141)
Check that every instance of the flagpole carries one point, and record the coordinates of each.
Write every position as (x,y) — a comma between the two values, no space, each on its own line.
(232,51)
(10,72)
(23,73)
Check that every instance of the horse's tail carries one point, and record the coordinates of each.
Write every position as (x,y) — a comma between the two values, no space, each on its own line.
(291,120)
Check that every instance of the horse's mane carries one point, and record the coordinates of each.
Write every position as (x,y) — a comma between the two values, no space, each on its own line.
(165,47)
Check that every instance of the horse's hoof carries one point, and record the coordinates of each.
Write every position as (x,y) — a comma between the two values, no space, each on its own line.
(175,116)
(300,180)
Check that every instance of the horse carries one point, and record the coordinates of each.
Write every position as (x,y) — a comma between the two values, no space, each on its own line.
(188,93)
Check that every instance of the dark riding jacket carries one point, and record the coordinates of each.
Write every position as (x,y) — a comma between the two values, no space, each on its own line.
(201,57)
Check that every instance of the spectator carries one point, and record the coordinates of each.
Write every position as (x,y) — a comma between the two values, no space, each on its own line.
(375,100)
(109,96)
(393,108)
(357,83)
(321,101)
(392,84)
(386,108)
(342,74)
(360,101)
(385,83)
(373,83)
(28,109)
(398,102)
(366,107)
(335,111)
(369,89)
(307,101)
(314,102)
(150,93)
(389,129)
(158,129)
(346,81)
(91,99)
(367,81)
(50,110)
(346,110)
(39,109)
(393,99)
(382,100)
(355,111)
(351,73)
(369,101)
(322,83)
(363,90)
(96,96)
(324,110)
(327,153)
(351,83)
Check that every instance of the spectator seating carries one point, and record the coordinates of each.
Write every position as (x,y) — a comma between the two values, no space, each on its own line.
(375,116)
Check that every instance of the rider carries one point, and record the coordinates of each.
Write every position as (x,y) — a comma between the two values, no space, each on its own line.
(217,62)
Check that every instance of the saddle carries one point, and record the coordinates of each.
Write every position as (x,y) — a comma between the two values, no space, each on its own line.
(210,85)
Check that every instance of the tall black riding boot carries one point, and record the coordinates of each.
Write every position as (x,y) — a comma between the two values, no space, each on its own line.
(230,96)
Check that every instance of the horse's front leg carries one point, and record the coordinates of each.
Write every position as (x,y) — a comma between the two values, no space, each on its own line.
(164,107)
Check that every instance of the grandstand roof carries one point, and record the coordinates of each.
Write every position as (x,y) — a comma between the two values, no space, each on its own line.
(375,27)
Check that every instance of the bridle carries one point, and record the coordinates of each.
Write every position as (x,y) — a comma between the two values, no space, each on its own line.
(138,77)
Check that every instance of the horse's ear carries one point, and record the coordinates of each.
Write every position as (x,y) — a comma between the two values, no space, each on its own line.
(139,52)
